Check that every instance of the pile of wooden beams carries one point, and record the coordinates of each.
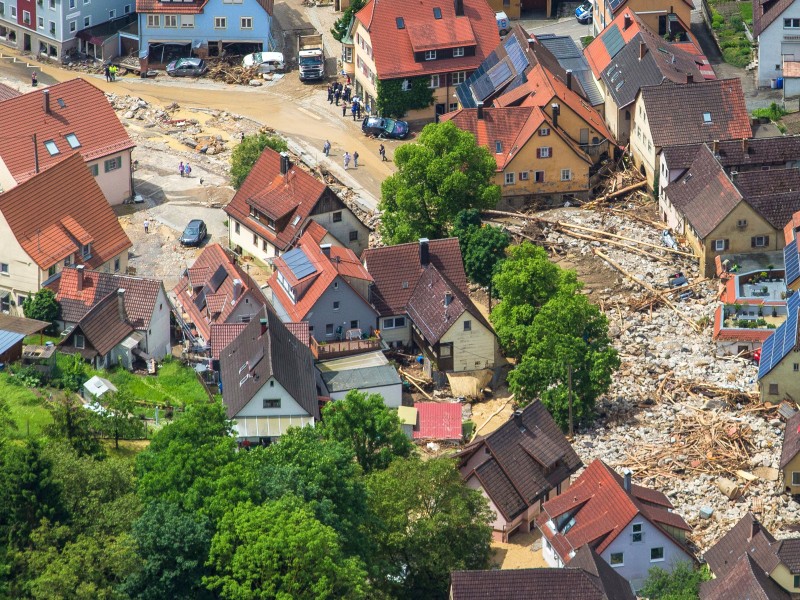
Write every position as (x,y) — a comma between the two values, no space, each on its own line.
(231,71)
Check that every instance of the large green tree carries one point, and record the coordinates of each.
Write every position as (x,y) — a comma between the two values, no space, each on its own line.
(42,306)
(74,424)
(482,246)
(342,24)
(683,583)
(118,420)
(524,282)
(438,176)
(280,550)
(567,334)
(246,154)
(427,524)
(364,423)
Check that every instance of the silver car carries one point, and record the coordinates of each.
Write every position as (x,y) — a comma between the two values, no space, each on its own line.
(187,67)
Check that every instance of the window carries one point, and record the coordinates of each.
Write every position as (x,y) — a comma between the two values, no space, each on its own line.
(187,21)
(353,324)
(336,305)
(566,175)
(171,21)
(347,54)
(796,481)
(657,554)
(791,23)
(797,581)
(40,22)
(5,304)
(127,9)
(437,13)
(353,236)
(773,389)
(4,268)
(329,329)
(498,147)
(246,23)
(272,402)
(394,322)
(87,21)
(112,164)
(116,265)
(94,170)
(706,117)
(255,240)
(796,367)
(112,14)
(21,300)
(741,223)
(459,77)
(445,351)
(14,11)
(68,261)
(337,216)
(509,178)
(523,176)
(430,55)
(73,26)
(405,86)
(636,536)
(434,81)
(220,22)
(544,131)
(467,325)
(453,106)
(759,241)
(51,147)
(26,17)
(720,245)
(236,227)
(538,176)
(72,140)
(80,341)
(458,52)
(86,250)
(617,559)
(72,3)
(400,22)
(336,285)
(544,152)
(264,245)
(52,4)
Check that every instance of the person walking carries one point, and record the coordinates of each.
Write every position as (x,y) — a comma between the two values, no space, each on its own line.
(188,170)
(358,111)
(326,148)
(330,95)
(353,108)
(338,96)
(108,72)
(355,159)
(34,80)
(113,70)
(146,226)
(382,153)
(180,168)
(344,109)
(346,160)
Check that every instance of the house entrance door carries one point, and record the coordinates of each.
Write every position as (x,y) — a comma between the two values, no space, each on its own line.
(26,42)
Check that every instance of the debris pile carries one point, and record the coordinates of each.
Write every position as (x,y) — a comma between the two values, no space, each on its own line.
(230,70)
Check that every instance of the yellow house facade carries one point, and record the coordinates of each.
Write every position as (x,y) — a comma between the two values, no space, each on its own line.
(654,13)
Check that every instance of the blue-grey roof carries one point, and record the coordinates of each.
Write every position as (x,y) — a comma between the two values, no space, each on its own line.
(360,379)
(298,263)
(612,40)
(571,58)
(791,260)
(8,339)
(783,341)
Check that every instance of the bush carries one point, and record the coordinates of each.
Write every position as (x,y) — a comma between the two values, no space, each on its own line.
(738,57)
(774,113)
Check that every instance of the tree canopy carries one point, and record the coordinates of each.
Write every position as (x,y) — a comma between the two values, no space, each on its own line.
(683,583)
(438,176)
(246,154)
(483,247)
(342,24)
(42,306)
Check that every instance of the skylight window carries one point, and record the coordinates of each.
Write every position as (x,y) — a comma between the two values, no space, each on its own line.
(706,117)
(61,103)
(51,147)
(498,147)
(401,24)
(296,220)
(437,13)
(72,140)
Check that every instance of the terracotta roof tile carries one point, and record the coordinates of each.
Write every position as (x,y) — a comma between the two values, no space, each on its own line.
(223,334)
(438,421)
(36,208)
(86,113)
(791,228)
(316,231)
(393,48)
(300,331)
(7,92)
(104,326)
(173,8)
(396,270)
(766,11)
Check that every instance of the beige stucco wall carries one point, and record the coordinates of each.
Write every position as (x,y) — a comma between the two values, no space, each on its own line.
(475,349)
(363,59)
(24,275)
(244,239)
(571,123)
(784,578)
(642,147)
(6,180)
(116,184)
(794,465)
(396,334)
(784,375)
(341,230)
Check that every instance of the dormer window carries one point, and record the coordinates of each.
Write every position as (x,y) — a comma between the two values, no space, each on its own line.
(430,55)
(51,147)
(437,13)
(86,250)
(457,52)
(72,140)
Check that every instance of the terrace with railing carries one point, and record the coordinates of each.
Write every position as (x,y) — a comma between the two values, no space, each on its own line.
(354,343)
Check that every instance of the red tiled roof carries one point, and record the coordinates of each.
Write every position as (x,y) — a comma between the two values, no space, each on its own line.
(36,211)
(140,294)
(791,227)
(7,92)
(342,262)
(104,326)
(300,331)
(602,509)
(202,275)
(393,48)
(316,231)
(745,580)
(286,199)
(397,270)
(86,113)
(748,536)
(170,7)
(223,334)
(438,421)
(596,53)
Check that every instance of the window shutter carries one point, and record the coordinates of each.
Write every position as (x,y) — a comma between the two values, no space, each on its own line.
(766,240)
(538,153)
(727,244)
(752,242)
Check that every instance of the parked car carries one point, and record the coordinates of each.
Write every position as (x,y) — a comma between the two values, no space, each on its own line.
(584,12)
(383,127)
(268,62)
(194,234)
(187,67)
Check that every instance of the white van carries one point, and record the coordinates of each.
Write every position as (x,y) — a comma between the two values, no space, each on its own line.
(268,62)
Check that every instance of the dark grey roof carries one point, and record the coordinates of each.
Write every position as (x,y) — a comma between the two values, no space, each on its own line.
(360,379)
(746,580)
(571,58)
(249,361)
(748,536)
(789,553)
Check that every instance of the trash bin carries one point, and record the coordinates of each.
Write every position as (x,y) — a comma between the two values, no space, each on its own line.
(773,84)
(779,83)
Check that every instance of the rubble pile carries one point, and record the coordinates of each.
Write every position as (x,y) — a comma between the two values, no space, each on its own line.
(230,70)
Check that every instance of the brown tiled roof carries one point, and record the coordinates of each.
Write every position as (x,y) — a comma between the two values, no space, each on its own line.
(393,49)
(748,536)
(791,440)
(208,285)
(752,152)
(289,200)
(602,509)
(774,194)
(172,8)
(223,334)
(592,582)
(140,294)
(308,290)
(300,331)
(705,195)
(36,211)
(527,457)
(789,553)
(766,11)
(396,270)
(7,92)
(22,325)
(86,113)
(427,308)
(744,580)
(248,362)
(597,54)
(675,111)
(104,326)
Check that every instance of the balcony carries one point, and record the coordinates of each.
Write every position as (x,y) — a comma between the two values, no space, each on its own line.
(346,347)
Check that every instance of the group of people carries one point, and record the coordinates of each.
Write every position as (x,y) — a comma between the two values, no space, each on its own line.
(338,91)
(111,72)
(185,170)
(326,149)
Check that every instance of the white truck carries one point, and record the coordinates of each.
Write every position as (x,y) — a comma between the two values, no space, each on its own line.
(310,57)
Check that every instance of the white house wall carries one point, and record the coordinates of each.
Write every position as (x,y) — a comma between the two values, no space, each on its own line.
(256,421)
(261,248)
(774,43)
(341,229)
(23,277)
(116,184)
(157,342)
(475,349)
(395,335)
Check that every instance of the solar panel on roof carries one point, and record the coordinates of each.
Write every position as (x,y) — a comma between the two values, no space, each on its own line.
(780,343)
(615,4)
(298,263)
(612,40)
(483,88)
(500,74)
(200,300)
(516,54)
(792,261)
(219,276)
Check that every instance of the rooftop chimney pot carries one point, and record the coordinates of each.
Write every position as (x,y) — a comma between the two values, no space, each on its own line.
(480,110)
(626,480)
(627,22)
(237,289)
(121,304)
(263,323)
(459,7)
(642,50)
(424,256)
(569,79)
(79,270)
(285,163)
(46,99)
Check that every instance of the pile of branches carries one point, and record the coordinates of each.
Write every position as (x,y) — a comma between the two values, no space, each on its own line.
(229,69)
(677,390)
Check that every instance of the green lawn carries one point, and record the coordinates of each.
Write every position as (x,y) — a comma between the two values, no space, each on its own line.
(175,384)
(27,408)
(746,10)
(40,340)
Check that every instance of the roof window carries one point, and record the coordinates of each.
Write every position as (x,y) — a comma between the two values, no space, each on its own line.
(296,220)
(61,103)
(706,117)
(51,147)
(498,147)
(72,140)
(437,13)
(401,24)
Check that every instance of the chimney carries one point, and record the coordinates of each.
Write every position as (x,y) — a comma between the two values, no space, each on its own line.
(626,480)
(480,111)
(642,50)
(715,147)
(518,419)
(556,111)
(424,257)
(263,326)
(569,79)
(79,272)
(285,163)
(448,298)
(689,78)
(459,6)
(672,12)
(46,98)
(627,22)
(237,289)
(121,304)
(744,145)
(326,249)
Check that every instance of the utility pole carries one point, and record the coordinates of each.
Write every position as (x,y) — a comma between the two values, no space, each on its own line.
(569,388)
